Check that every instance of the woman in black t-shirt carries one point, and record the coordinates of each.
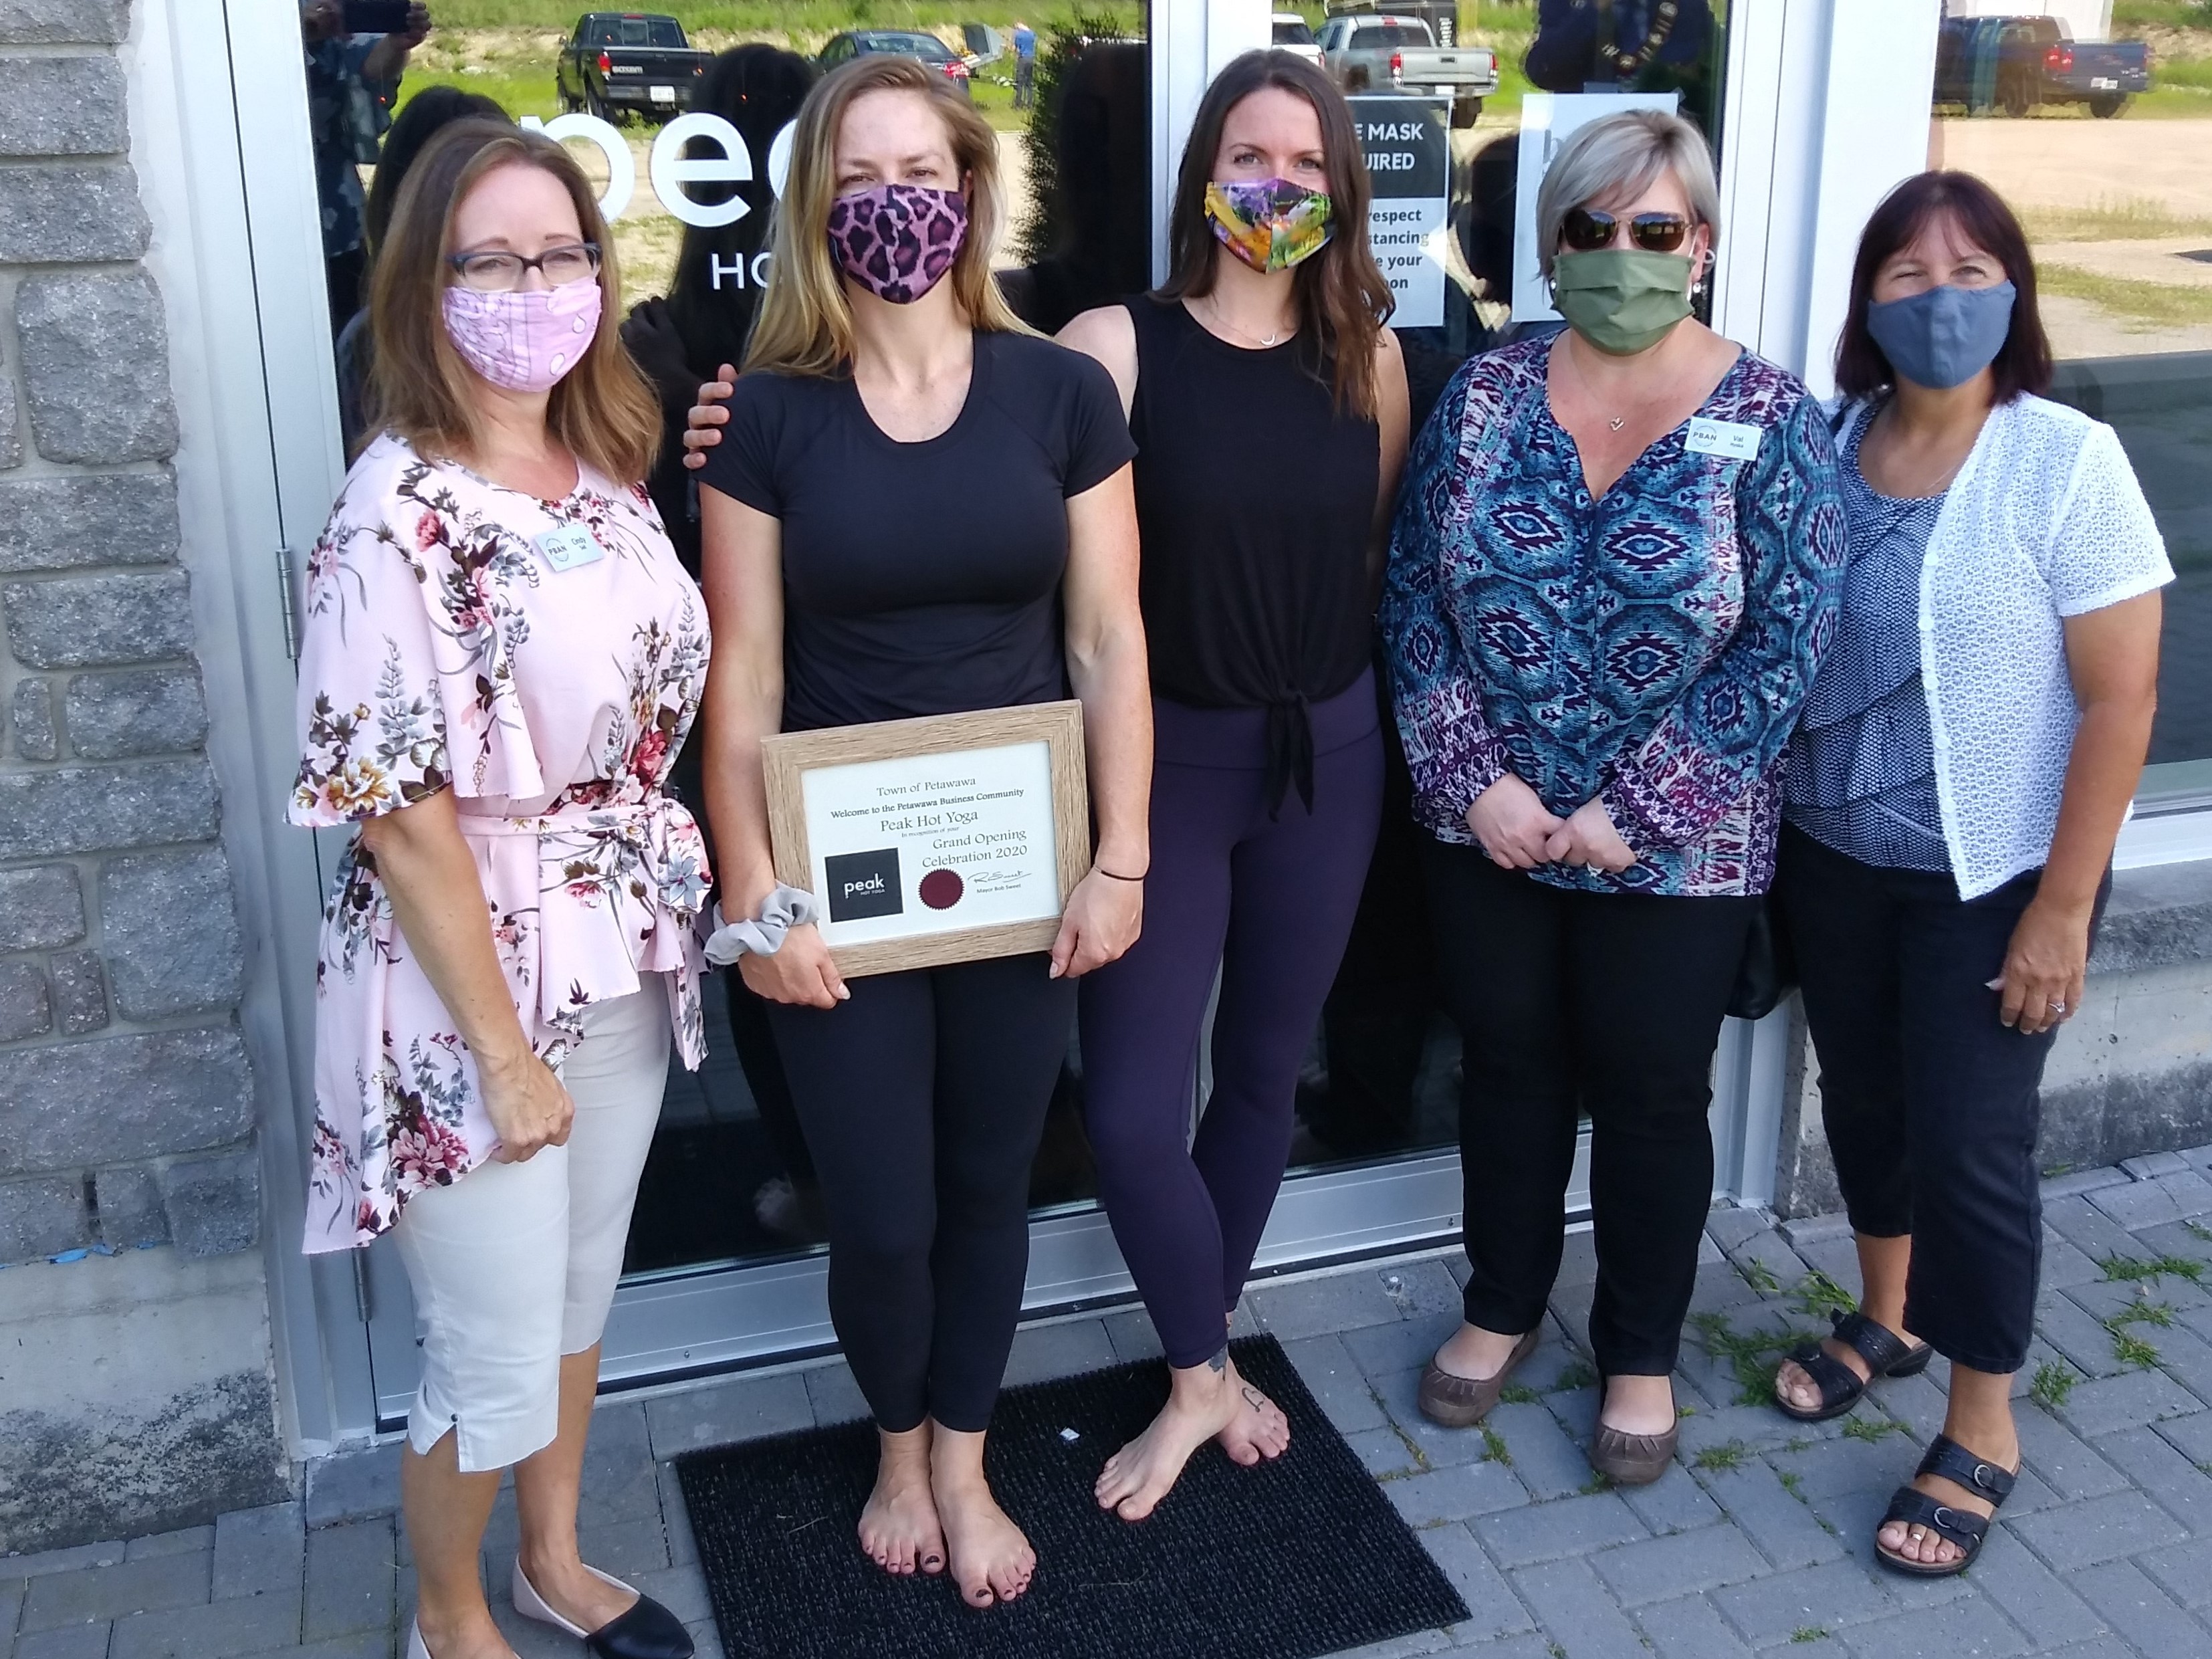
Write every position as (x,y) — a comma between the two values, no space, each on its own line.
(1268,405)
(918,508)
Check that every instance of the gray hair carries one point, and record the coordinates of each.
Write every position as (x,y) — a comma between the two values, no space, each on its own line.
(1617,159)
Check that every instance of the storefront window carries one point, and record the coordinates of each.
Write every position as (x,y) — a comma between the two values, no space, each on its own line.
(2093,118)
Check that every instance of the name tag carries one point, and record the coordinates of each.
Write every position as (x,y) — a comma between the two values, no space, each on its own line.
(1732,441)
(566,546)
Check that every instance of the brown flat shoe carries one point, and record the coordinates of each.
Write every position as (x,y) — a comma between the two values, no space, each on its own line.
(1632,1460)
(1460,1402)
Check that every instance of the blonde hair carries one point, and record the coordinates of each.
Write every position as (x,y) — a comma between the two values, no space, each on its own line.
(1618,159)
(806,322)
(419,387)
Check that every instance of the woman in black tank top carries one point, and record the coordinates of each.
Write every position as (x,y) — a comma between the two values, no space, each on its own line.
(1268,404)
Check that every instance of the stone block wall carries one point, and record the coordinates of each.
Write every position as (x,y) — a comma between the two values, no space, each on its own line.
(126,1101)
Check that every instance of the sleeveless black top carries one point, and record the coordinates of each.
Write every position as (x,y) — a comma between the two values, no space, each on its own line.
(1255,497)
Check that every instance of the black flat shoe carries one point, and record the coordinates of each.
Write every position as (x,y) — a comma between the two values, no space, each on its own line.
(1962,1528)
(647,1630)
(1883,1350)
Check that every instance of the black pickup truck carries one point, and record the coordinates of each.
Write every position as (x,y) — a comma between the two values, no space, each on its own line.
(2015,64)
(635,61)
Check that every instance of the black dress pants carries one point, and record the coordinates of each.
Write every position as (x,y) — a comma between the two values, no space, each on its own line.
(922,1099)
(1932,1106)
(1567,1002)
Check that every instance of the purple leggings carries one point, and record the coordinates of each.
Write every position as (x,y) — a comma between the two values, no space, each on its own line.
(1271,903)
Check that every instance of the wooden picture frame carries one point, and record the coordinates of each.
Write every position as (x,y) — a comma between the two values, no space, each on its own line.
(999,738)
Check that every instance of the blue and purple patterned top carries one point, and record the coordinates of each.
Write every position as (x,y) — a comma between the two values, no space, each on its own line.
(1650,648)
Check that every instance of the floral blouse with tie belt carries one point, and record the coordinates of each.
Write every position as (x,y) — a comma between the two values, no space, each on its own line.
(543,661)
(1649,648)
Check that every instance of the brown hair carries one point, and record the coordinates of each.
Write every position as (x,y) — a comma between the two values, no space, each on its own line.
(2023,362)
(1342,299)
(806,323)
(420,388)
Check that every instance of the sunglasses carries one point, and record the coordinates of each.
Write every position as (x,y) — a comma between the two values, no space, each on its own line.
(1585,230)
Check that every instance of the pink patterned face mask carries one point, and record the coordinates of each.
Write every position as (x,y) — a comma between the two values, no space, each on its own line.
(898,241)
(524,339)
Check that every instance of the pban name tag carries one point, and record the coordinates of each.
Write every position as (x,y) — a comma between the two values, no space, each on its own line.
(566,546)
(1732,441)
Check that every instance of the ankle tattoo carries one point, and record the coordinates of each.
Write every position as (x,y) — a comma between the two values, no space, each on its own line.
(1220,1362)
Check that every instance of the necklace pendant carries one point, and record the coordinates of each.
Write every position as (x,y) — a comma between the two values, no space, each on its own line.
(1618,421)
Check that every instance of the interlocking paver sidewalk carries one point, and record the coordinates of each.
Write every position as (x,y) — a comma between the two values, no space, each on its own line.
(1757,1541)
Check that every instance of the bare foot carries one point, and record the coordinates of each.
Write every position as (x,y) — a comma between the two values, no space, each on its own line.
(899,1526)
(472,1638)
(559,1578)
(1202,1403)
(1259,1431)
(992,1559)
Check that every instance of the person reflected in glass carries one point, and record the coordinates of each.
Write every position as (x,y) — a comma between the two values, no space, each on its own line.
(1954,793)
(500,656)
(1613,571)
(850,582)
(1268,402)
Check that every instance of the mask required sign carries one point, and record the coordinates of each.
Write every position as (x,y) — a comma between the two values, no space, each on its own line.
(1408,144)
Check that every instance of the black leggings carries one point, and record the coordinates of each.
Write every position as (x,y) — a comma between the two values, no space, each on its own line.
(922,1098)
(1567,1002)
(1932,1106)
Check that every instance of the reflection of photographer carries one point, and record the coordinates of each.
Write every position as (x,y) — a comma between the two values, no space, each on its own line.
(1619,45)
(356,51)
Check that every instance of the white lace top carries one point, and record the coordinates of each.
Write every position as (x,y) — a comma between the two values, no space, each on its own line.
(2044,521)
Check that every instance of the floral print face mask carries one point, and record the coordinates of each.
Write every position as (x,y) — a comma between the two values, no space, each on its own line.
(898,241)
(1270,224)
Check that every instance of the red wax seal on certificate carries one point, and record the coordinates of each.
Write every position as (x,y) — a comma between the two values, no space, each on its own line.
(940,890)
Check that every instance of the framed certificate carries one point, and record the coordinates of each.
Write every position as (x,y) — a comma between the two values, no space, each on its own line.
(933,841)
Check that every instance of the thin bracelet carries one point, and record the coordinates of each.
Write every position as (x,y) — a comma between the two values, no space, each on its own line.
(1103,871)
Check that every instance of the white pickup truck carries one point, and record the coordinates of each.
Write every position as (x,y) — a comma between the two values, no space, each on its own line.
(1384,51)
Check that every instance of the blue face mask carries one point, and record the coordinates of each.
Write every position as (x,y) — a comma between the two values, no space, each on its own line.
(1945,336)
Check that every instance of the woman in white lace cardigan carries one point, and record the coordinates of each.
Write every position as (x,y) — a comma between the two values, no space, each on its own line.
(1953,794)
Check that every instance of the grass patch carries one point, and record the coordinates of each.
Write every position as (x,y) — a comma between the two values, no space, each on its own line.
(1750,1358)
(1793,1483)
(1816,1293)
(1728,1454)
(2126,1268)
(2160,1314)
(2118,219)
(2197,1230)
(2140,307)
(1808,1633)
(1594,1485)
(2132,1350)
(1579,1375)
(1518,1393)
(2053,1385)
(1872,1430)
(1494,1447)
(1760,1278)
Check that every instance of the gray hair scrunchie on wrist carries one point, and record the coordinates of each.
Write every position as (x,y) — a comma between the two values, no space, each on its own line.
(783,909)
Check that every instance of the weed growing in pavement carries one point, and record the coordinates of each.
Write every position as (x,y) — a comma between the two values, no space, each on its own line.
(1597,1484)
(1793,1483)
(1494,1447)
(1797,1442)
(2133,1352)
(1518,1393)
(1808,1633)
(2053,1385)
(1872,1428)
(1728,1454)
(2160,1314)
(1816,1293)
(1751,1359)
(1579,1375)
(2126,1267)
(2198,1230)
(1760,1278)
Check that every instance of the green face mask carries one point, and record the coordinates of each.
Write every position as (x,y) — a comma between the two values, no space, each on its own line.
(1622,301)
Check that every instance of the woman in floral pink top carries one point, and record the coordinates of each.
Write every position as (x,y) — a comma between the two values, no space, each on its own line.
(502,656)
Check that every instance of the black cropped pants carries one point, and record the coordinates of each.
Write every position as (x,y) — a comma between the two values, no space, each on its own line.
(1932,1106)
(922,1099)
(1570,1002)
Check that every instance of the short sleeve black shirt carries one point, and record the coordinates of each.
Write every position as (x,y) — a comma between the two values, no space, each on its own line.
(923,578)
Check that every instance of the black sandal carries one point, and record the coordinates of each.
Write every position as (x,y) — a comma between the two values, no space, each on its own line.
(1883,1350)
(1960,1527)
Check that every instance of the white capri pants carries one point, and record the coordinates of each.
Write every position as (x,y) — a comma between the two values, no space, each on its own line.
(515,1265)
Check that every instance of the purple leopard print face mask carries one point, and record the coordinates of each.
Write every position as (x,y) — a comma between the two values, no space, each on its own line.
(898,241)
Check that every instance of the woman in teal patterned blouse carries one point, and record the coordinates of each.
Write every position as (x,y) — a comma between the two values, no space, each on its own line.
(1614,568)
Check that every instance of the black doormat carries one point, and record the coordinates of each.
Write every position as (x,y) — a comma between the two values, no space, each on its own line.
(1301,1557)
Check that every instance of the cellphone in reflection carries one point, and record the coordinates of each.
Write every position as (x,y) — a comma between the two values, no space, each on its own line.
(376,16)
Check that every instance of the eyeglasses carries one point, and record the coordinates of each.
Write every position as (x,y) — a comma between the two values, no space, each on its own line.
(1585,230)
(502,273)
